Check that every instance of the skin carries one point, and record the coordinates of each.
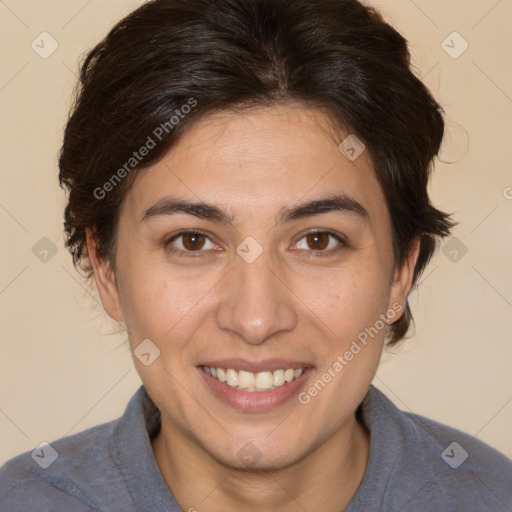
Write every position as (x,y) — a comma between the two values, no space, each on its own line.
(283,305)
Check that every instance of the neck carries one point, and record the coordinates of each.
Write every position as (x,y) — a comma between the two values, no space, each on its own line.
(325,479)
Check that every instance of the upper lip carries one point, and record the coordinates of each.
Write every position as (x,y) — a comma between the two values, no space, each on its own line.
(256,366)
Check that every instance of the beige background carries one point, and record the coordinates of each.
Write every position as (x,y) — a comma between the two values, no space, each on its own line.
(62,369)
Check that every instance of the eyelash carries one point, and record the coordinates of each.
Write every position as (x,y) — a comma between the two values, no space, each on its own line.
(195,254)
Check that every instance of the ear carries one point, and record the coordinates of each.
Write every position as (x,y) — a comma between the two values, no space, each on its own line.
(402,279)
(105,279)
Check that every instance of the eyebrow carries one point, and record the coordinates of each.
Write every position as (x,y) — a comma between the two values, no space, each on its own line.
(338,202)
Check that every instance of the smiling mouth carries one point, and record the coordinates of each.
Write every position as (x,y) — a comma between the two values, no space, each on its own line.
(249,381)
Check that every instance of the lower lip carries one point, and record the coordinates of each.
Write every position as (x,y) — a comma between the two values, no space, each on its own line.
(254,401)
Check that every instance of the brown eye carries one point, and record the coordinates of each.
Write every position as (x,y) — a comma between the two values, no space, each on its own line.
(189,243)
(193,241)
(321,243)
(318,241)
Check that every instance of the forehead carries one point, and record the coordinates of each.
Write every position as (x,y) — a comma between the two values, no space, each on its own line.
(257,160)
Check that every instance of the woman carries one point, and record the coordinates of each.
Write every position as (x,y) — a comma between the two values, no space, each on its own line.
(248,188)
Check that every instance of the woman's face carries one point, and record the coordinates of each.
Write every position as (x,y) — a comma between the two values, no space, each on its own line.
(256,292)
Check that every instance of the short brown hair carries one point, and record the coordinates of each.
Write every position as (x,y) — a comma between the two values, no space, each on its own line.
(336,55)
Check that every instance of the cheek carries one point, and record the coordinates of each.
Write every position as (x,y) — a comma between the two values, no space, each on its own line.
(349,305)
(348,299)
(160,303)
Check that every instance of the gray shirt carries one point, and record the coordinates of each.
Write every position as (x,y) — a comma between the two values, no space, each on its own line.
(415,464)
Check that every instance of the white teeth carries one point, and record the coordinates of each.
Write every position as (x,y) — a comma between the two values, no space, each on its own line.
(263,380)
(278,378)
(249,381)
(245,379)
(232,377)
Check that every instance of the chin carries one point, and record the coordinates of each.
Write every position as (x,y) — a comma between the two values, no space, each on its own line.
(253,457)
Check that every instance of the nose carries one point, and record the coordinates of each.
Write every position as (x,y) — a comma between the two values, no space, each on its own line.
(256,302)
